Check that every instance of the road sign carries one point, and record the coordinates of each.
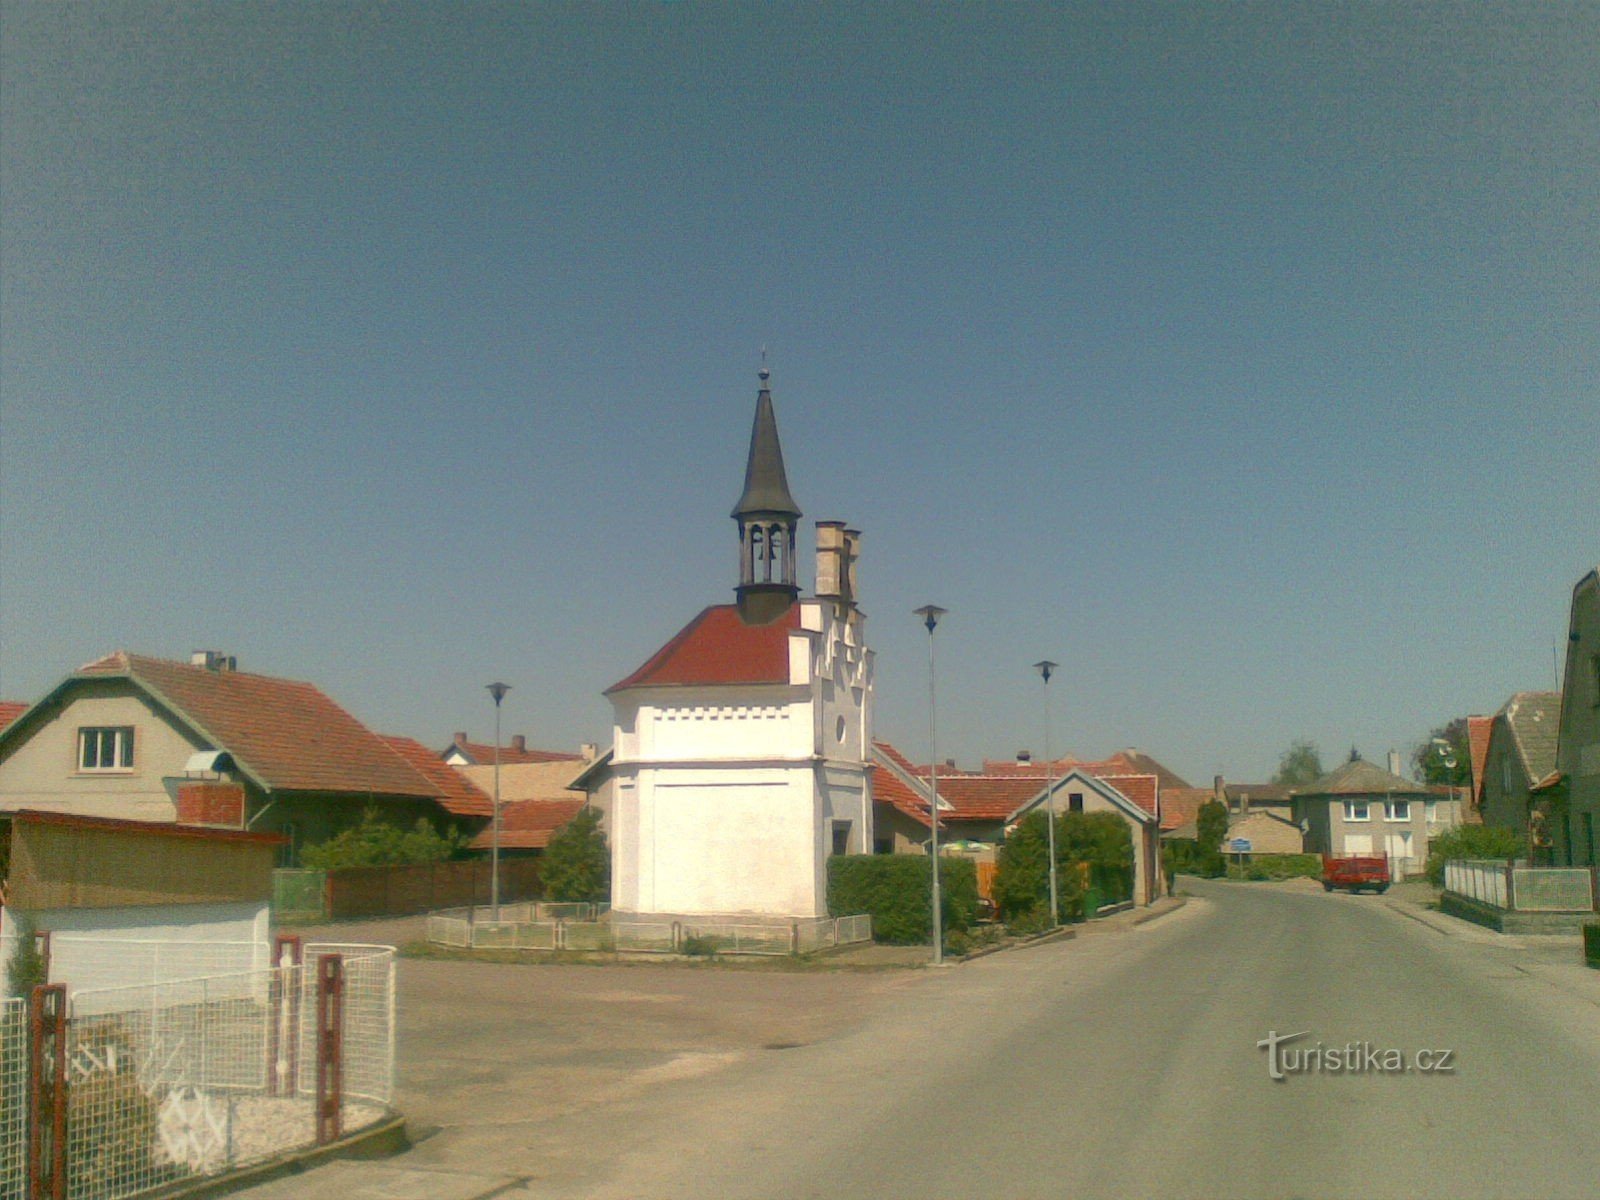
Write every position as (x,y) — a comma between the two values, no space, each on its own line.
(1239,846)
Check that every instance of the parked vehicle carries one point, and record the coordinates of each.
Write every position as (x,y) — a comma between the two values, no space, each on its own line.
(1355,872)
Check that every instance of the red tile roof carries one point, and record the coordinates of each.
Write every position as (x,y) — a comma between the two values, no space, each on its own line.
(1179,806)
(285,734)
(1143,790)
(528,824)
(10,710)
(1478,729)
(986,797)
(482,753)
(890,789)
(718,647)
(456,794)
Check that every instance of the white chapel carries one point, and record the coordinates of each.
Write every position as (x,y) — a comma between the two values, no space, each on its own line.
(741,746)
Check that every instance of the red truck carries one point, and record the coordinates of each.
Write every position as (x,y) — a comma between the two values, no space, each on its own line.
(1355,873)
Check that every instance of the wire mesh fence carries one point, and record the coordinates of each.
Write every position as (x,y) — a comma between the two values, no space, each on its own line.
(528,927)
(183,1078)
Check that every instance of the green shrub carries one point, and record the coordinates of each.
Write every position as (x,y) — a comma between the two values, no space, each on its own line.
(1591,945)
(379,842)
(698,945)
(1030,921)
(1092,849)
(25,971)
(1471,841)
(895,890)
(1277,867)
(577,862)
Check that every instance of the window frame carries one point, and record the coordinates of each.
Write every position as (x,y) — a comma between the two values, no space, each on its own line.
(1350,807)
(1391,810)
(123,745)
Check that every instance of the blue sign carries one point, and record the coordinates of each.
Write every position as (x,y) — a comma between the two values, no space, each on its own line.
(1239,846)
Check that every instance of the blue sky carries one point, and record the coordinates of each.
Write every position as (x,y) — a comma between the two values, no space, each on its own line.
(1242,358)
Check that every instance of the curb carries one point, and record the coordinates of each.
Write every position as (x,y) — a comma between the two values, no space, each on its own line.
(1147,916)
(383,1140)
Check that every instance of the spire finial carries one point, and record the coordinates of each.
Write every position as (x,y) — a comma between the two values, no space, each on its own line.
(765,372)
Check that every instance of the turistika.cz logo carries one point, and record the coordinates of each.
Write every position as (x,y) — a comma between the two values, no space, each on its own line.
(1350,1058)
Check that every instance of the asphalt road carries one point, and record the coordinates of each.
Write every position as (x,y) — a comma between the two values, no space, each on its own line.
(1128,1065)
(1119,1064)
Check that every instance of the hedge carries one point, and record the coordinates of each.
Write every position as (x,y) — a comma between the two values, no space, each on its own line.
(895,889)
(1279,866)
(1591,945)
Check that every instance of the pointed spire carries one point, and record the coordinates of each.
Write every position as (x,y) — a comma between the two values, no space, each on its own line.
(766,487)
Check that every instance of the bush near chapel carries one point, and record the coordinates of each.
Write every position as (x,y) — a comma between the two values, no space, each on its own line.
(576,865)
(895,890)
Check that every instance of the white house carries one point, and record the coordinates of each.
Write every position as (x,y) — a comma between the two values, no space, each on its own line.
(741,746)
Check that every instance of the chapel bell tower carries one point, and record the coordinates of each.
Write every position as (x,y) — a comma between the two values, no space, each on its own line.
(768,518)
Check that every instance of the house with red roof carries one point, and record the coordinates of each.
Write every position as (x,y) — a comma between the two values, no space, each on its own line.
(10,710)
(202,743)
(981,806)
(739,755)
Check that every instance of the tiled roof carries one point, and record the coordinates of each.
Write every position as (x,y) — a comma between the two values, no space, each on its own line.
(482,753)
(1478,730)
(1179,806)
(1259,793)
(1143,764)
(1143,790)
(528,824)
(285,734)
(986,797)
(888,788)
(1533,718)
(1361,778)
(455,792)
(10,710)
(525,781)
(717,647)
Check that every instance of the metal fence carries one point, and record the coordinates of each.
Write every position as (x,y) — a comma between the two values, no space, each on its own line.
(171,1081)
(1516,887)
(537,927)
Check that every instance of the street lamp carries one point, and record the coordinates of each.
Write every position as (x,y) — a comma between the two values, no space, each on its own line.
(930,614)
(1045,667)
(498,691)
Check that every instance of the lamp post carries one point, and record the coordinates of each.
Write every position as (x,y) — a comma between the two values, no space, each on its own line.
(498,691)
(930,614)
(1045,667)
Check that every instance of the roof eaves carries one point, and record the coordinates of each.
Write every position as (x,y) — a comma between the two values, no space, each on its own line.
(177,710)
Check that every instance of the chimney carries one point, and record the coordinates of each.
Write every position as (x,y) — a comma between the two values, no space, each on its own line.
(519,742)
(1244,804)
(590,751)
(1024,757)
(1218,788)
(461,738)
(852,548)
(1394,762)
(213,660)
(950,764)
(832,571)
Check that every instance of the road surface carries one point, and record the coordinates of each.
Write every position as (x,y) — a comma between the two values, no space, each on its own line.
(1124,1065)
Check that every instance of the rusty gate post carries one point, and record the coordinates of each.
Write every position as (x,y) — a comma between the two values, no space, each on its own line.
(330,1048)
(47,1093)
(283,1024)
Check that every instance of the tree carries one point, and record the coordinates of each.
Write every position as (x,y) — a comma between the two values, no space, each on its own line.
(1299,765)
(577,863)
(378,842)
(1471,841)
(1446,757)
(1211,826)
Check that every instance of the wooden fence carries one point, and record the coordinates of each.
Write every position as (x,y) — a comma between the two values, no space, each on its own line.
(397,891)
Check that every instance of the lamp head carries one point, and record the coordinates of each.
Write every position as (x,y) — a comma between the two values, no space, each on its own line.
(930,614)
(1045,668)
(498,691)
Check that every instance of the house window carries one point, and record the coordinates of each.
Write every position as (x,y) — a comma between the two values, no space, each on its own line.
(1431,811)
(1397,810)
(883,846)
(106,748)
(1356,810)
(1074,801)
(841,837)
